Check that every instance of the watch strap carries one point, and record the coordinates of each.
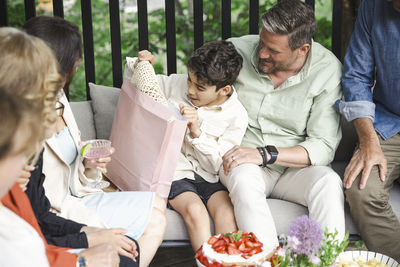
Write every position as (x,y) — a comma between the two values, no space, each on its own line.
(273,152)
(263,153)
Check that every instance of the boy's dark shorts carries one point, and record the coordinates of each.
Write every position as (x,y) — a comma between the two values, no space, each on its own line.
(199,186)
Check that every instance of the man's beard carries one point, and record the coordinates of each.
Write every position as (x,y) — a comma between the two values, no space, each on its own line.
(274,66)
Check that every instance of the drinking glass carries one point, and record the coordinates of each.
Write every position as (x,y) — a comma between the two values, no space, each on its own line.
(94,150)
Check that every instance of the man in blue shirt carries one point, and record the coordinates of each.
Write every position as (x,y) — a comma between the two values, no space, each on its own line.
(373,61)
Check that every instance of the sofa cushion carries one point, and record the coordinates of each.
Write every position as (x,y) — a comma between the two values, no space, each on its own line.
(104,102)
(348,143)
(83,114)
(283,212)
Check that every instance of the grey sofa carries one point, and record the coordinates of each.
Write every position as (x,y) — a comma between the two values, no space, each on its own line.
(95,118)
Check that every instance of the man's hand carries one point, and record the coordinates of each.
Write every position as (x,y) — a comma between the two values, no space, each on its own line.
(190,114)
(145,55)
(23,178)
(105,255)
(239,155)
(366,156)
(125,246)
(99,164)
(363,160)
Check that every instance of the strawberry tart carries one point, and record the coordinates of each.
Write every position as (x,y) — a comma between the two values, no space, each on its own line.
(234,249)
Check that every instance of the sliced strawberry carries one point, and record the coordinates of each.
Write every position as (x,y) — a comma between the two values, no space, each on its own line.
(246,250)
(212,240)
(254,237)
(239,242)
(221,249)
(199,252)
(255,250)
(242,247)
(231,245)
(249,244)
(236,251)
(230,250)
(218,243)
(258,244)
(246,256)
(225,238)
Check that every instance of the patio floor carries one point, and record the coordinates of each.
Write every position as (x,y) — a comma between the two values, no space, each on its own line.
(176,257)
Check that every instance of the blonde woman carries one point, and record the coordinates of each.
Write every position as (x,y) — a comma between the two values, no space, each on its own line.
(142,214)
(29,82)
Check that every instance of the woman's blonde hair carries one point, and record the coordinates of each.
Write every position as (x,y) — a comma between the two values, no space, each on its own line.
(29,83)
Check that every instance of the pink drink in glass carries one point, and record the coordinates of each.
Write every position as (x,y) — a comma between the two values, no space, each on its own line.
(100,148)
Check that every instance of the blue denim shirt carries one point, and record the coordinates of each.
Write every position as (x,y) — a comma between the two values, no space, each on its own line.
(373,61)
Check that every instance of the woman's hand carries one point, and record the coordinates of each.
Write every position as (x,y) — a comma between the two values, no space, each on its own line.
(99,164)
(126,246)
(90,229)
(23,179)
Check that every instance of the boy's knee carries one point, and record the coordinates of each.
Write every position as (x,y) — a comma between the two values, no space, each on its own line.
(195,213)
(225,213)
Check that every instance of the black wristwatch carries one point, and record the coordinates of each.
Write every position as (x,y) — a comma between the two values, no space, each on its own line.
(273,153)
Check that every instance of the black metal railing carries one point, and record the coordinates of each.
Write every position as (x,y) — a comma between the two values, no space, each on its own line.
(87,28)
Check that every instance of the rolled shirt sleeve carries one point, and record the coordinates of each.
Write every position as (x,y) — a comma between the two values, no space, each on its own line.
(359,70)
(323,128)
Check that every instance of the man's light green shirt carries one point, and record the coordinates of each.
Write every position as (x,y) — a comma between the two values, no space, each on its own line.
(300,111)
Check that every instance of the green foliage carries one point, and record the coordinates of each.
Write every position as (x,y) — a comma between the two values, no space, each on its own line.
(359,244)
(323,34)
(326,256)
(157,33)
(331,248)
(16,13)
(236,236)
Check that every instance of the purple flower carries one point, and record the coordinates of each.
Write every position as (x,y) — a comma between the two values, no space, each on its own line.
(293,242)
(309,233)
(315,260)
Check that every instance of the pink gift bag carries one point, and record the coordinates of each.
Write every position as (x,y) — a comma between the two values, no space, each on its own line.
(147,141)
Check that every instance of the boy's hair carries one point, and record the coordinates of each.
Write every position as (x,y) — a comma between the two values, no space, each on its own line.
(216,63)
(293,18)
(29,83)
(62,36)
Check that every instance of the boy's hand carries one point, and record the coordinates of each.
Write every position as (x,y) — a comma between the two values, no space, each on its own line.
(145,55)
(190,114)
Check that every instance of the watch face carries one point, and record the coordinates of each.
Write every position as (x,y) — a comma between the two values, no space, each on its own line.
(272,150)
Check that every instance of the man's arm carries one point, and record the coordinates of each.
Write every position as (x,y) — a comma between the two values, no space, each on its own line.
(296,157)
(357,80)
(366,156)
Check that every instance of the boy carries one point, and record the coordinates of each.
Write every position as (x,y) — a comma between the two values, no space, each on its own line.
(216,122)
